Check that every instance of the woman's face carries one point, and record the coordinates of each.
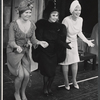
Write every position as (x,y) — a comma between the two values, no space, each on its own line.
(77,11)
(54,16)
(26,15)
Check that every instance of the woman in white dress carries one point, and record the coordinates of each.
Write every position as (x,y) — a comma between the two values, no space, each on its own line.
(73,24)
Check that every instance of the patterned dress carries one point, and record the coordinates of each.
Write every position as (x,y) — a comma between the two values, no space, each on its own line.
(73,29)
(16,36)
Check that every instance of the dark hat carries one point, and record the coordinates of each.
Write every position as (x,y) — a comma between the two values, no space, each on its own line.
(25,5)
(51,6)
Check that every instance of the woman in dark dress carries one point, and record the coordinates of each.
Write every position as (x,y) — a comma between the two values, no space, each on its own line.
(54,34)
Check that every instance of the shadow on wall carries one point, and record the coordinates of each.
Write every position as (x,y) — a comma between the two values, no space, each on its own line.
(94,36)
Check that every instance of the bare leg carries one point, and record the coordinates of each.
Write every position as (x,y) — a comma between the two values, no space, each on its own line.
(65,69)
(18,82)
(24,85)
(74,68)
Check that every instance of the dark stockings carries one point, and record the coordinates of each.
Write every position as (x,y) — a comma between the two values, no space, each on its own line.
(47,85)
(45,80)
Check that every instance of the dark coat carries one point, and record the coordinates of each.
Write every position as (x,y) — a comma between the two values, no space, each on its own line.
(55,35)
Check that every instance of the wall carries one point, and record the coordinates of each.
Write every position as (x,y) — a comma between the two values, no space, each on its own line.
(89,13)
(6,20)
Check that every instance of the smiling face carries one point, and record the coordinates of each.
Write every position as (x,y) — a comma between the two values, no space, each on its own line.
(77,11)
(54,16)
(26,15)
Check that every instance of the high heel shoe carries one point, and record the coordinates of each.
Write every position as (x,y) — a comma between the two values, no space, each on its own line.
(67,87)
(46,93)
(50,91)
(76,86)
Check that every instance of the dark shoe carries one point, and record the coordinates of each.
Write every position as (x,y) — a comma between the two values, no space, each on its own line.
(50,93)
(46,94)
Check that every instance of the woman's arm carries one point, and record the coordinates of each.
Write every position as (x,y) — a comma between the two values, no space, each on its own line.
(34,41)
(64,44)
(62,34)
(11,41)
(37,42)
(81,35)
(89,42)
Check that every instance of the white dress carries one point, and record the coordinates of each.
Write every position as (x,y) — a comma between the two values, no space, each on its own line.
(73,29)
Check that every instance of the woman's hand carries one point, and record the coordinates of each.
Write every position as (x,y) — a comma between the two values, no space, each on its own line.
(19,49)
(44,44)
(90,43)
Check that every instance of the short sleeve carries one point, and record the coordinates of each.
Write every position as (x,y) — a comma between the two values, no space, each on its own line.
(33,38)
(65,22)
